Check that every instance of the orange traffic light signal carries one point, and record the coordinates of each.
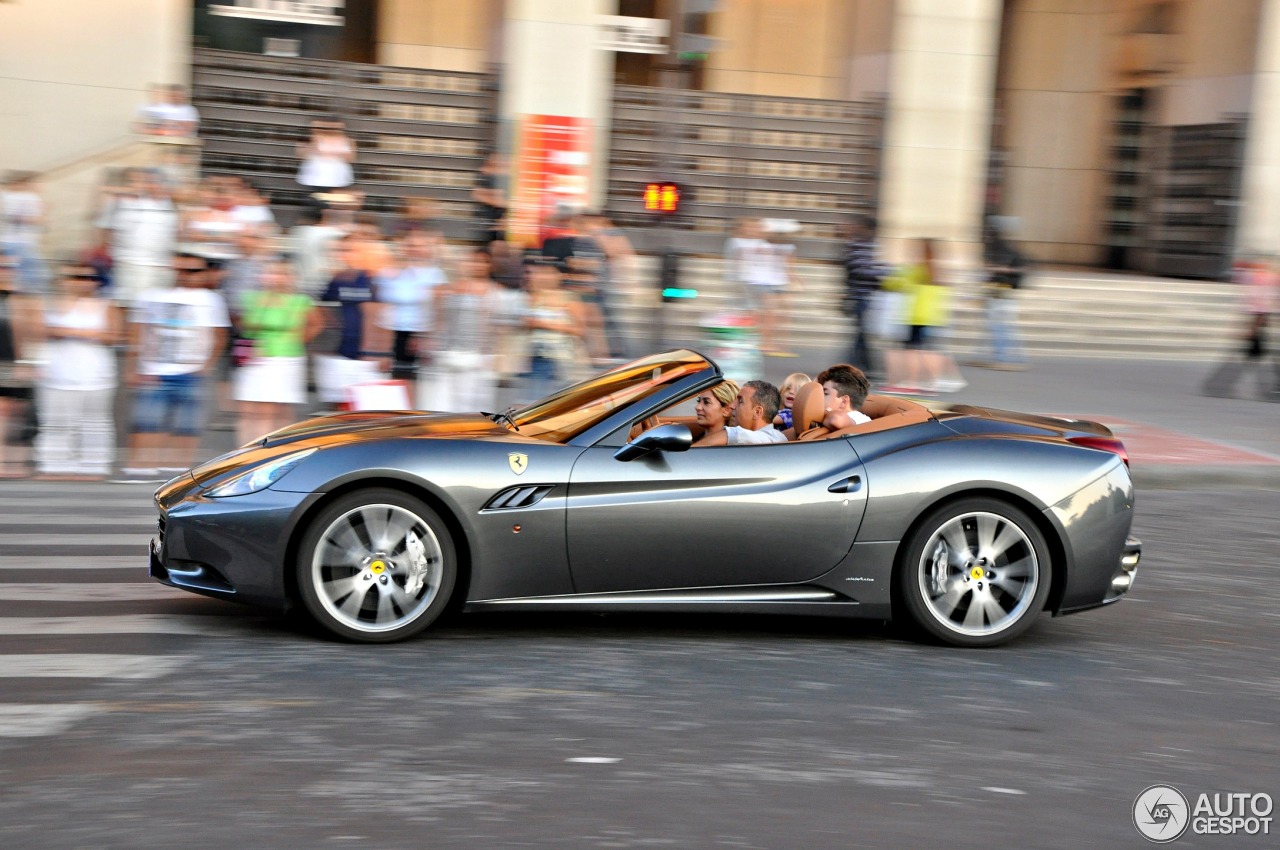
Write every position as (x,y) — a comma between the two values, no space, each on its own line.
(662,198)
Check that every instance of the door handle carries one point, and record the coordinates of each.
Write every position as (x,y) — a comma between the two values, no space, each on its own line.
(852,484)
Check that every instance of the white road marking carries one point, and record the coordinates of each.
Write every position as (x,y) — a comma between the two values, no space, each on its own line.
(593,760)
(43,563)
(139,539)
(88,666)
(995,789)
(88,592)
(35,721)
(133,624)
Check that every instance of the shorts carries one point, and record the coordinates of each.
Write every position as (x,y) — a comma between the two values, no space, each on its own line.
(917,337)
(173,405)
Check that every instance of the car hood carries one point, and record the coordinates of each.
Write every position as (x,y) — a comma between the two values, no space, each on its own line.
(386,424)
(342,428)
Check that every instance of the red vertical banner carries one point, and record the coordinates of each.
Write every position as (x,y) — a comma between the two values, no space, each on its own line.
(553,170)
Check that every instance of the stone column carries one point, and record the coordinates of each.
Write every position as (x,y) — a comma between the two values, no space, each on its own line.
(1258,230)
(937,131)
(553,69)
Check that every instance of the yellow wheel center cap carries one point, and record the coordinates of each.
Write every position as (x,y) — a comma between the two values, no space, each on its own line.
(378,567)
(977,572)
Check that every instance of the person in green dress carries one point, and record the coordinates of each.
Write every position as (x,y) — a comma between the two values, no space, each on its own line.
(272,380)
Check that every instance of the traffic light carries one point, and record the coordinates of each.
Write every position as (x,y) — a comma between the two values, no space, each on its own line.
(662,198)
(669,279)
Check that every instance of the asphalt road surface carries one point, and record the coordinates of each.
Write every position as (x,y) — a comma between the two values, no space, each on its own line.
(134,716)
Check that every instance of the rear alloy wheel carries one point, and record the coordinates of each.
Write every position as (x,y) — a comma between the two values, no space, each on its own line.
(376,566)
(976,573)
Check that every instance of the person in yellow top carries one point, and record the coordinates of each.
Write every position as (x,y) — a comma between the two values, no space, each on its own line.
(922,366)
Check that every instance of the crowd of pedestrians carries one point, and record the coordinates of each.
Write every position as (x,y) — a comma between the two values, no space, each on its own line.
(193,308)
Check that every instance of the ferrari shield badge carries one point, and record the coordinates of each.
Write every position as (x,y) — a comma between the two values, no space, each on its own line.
(518,461)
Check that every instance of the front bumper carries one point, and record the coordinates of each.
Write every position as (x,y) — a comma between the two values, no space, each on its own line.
(232,548)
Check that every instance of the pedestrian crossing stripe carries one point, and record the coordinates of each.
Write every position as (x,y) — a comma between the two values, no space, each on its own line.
(124,624)
(89,592)
(40,720)
(88,666)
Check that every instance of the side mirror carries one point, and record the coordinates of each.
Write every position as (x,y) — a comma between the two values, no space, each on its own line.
(664,438)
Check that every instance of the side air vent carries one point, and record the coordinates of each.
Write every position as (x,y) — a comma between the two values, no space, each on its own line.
(519,497)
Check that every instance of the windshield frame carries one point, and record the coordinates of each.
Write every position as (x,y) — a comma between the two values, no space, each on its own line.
(611,397)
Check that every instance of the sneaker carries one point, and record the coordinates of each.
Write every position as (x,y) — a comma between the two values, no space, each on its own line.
(950,385)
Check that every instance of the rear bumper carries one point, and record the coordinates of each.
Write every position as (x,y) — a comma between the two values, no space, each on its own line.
(1126,573)
(1100,554)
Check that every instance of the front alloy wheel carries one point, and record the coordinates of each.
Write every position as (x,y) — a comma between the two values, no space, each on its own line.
(976,573)
(376,566)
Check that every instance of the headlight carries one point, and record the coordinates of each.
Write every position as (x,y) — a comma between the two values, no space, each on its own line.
(260,477)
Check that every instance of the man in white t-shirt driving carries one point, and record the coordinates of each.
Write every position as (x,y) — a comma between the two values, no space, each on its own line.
(753,412)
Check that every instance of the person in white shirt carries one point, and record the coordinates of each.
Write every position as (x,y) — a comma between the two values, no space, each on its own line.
(406,290)
(762,268)
(178,117)
(176,336)
(22,216)
(144,231)
(753,413)
(327,157)
(77,384)
(844,389)
(251,209)
(310,248)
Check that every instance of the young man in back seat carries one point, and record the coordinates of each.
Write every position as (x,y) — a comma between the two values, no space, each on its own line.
(844,389)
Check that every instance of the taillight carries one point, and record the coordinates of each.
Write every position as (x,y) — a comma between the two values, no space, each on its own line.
(1106,444)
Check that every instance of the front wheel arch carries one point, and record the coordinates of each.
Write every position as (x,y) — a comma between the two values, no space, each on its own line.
(461,543)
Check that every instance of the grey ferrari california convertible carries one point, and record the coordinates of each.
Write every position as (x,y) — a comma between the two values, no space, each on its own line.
(965,521)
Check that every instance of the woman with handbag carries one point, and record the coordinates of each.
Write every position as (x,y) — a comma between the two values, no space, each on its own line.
(276,324)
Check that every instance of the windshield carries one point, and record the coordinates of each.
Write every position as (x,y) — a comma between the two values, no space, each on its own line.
(574,409)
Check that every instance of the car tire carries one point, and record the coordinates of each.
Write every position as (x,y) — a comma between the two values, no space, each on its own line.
(975,573)
(376,566)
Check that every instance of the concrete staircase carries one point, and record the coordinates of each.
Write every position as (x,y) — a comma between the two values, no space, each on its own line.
(1074,313)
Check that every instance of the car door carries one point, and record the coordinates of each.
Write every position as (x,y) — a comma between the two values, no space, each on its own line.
(711,517)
